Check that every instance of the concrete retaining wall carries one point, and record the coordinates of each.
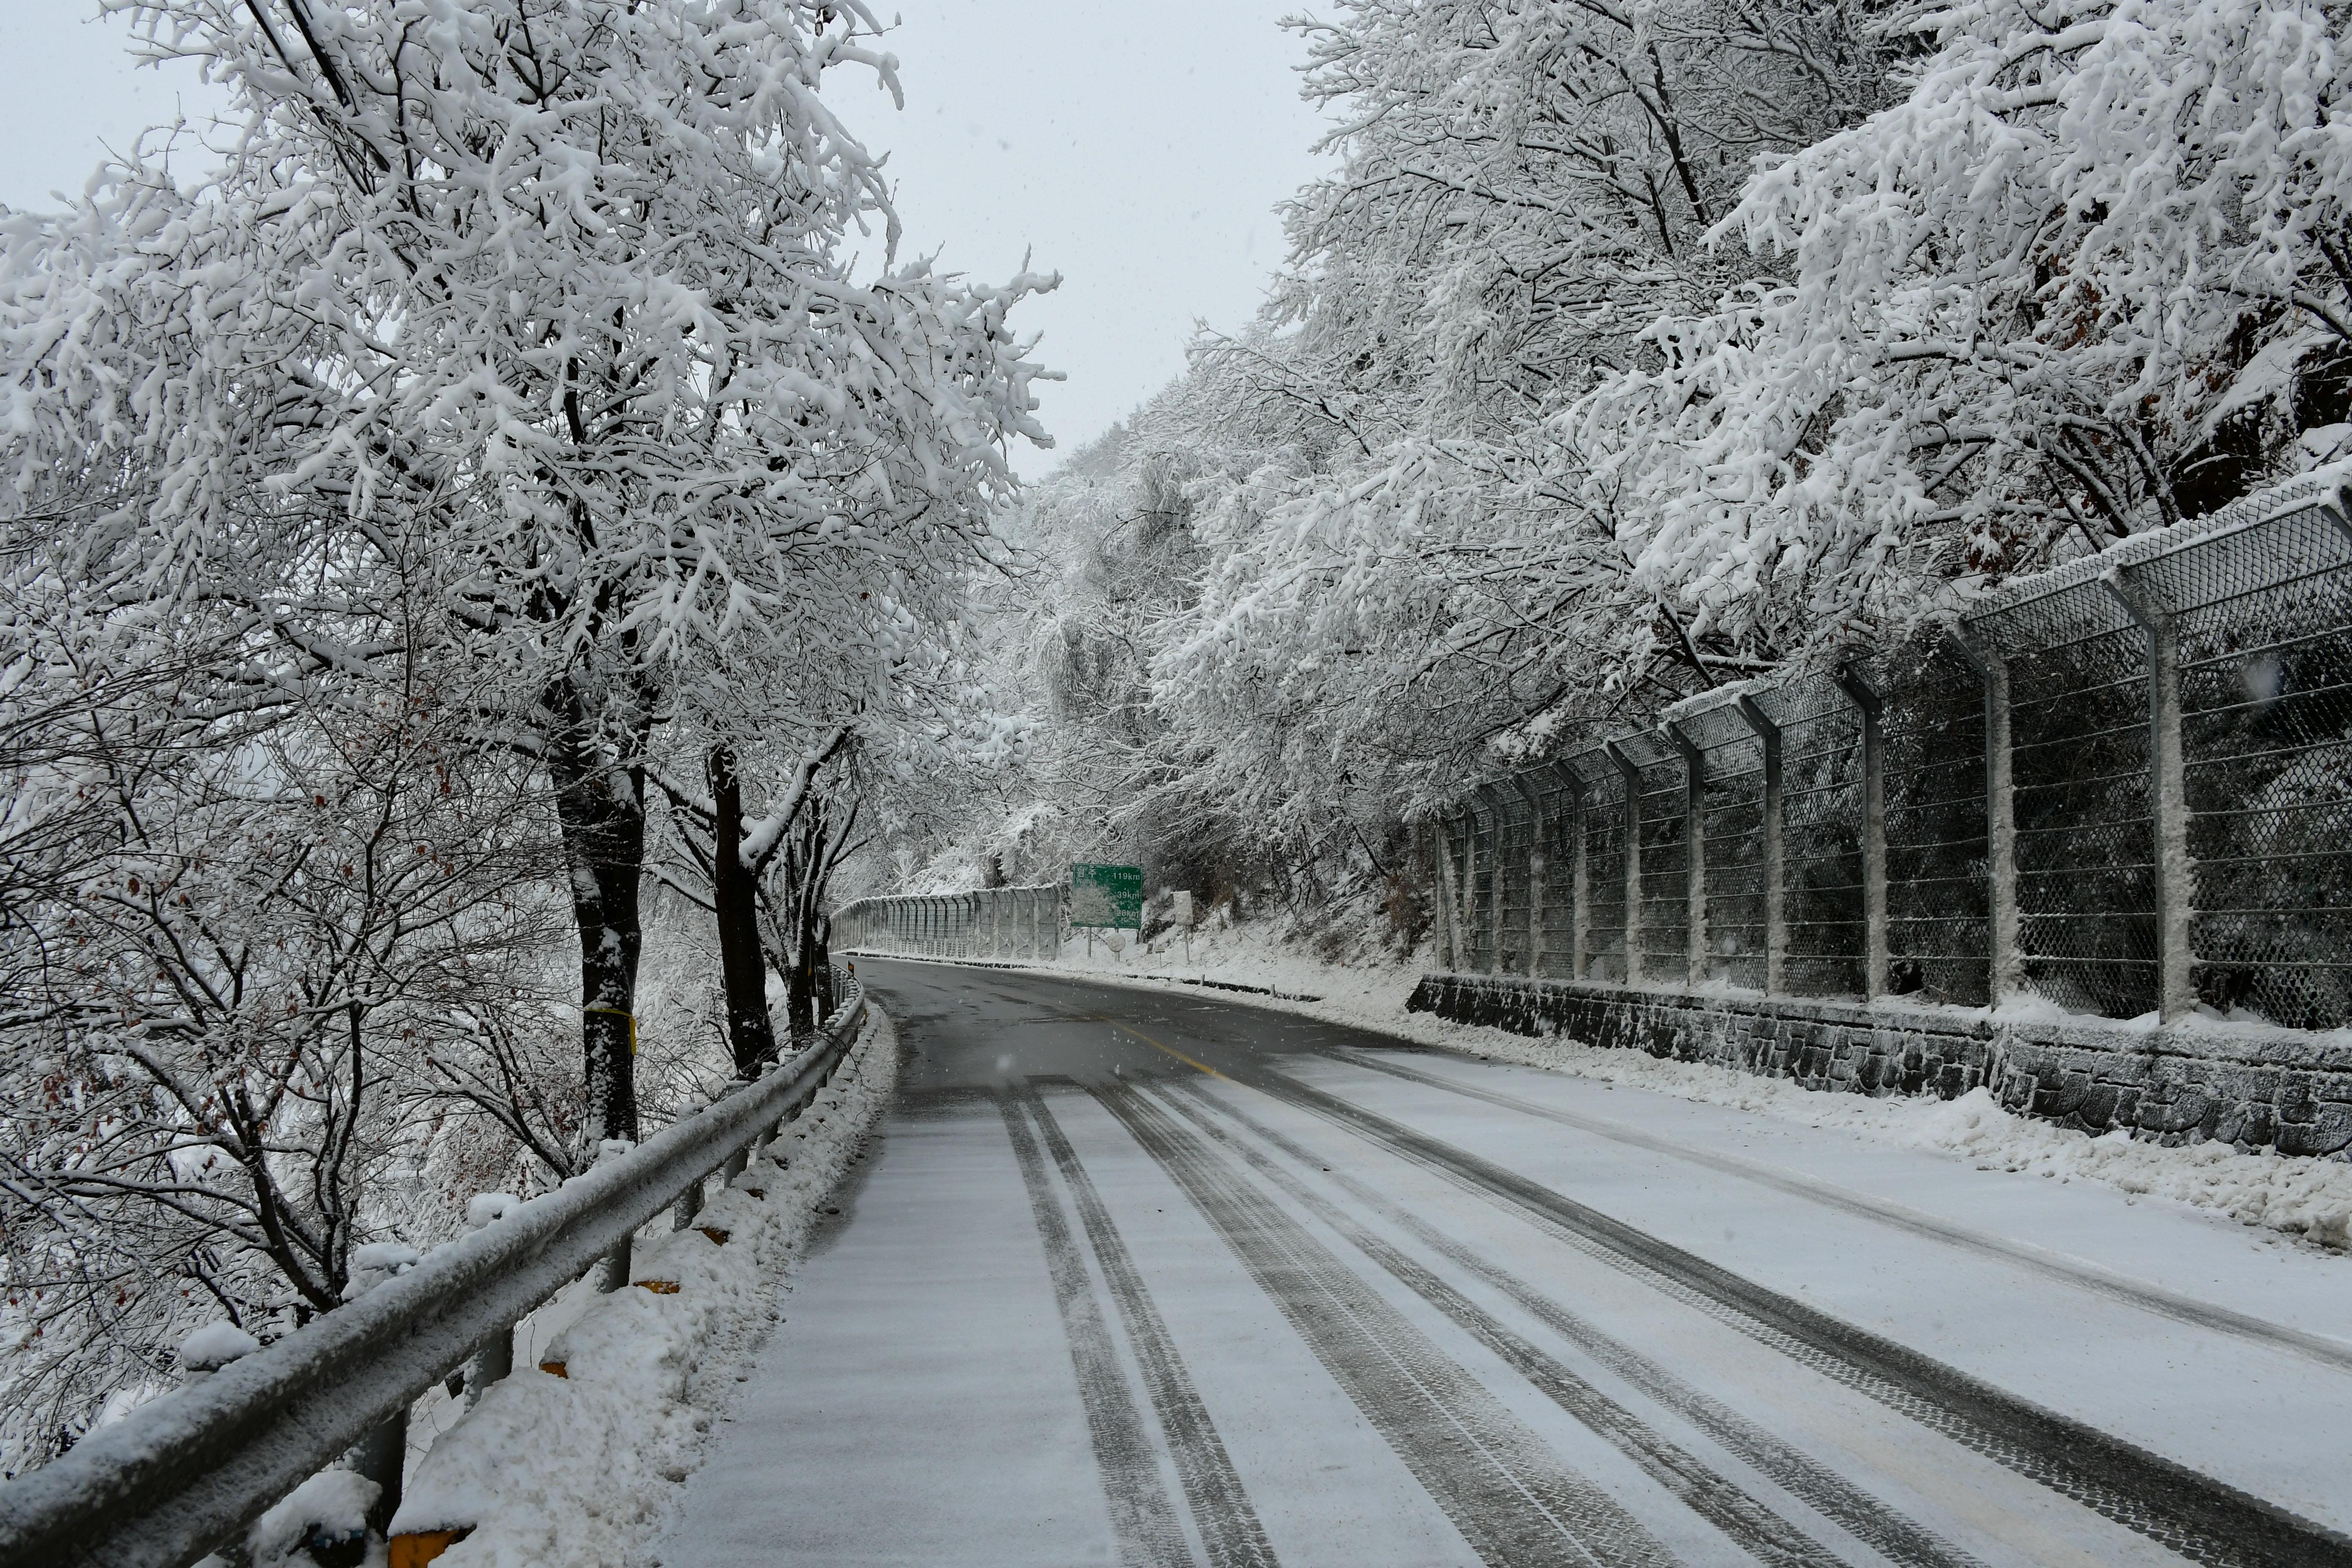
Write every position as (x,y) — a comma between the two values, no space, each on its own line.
(2251,1088)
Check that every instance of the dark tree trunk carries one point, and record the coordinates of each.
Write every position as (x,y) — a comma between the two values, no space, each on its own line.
(825,999)
(601,810)
(803,984)
(751,1034)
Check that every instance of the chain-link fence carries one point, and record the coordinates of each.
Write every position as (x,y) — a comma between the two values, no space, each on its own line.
(1820,729)
(2124,786)
(1007,923)
(1939,939)
(1600,835)
(1727,752)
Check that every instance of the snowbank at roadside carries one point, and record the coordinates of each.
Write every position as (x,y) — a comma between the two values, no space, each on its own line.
(581,1468)
(2301,1196)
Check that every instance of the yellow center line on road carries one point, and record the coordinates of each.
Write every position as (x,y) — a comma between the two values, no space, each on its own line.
(1155,1045)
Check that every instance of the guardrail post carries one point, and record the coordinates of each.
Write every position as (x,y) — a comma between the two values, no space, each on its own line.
(493,1362)
(1776,898)
(2175,978)
(688,1205)
(1873,829)
(616,1270)
(383,1458)
(1694,853)
(1631,772)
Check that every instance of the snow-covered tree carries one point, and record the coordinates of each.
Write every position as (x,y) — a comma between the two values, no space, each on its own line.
(1407,557)
(2092,275)
(290,901)
(533,387)
(566,294)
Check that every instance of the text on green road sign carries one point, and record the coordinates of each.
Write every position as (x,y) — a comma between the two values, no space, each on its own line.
(1107,896)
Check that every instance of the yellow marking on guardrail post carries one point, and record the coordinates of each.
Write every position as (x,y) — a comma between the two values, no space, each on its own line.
(414,1549)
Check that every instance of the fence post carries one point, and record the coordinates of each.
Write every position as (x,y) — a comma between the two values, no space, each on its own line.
(1631,772)
(1776,902)
(1465,914)
(1539,864)
(2176,980)
(1873,829)
(1580,909)
(1694,853)
(1448,911)
(2005,977)
(1491,916)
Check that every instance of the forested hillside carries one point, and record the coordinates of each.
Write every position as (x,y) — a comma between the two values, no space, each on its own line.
(1629,350)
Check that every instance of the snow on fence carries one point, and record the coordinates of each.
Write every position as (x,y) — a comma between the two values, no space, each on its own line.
(1006,923)
(2123,785)
(187,1474)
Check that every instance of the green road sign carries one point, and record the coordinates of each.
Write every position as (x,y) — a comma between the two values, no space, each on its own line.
(1107,896)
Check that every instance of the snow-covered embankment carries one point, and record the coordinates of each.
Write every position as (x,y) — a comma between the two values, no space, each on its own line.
(578,1470)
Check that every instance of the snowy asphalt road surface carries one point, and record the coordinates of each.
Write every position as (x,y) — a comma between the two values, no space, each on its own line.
(1153,1279)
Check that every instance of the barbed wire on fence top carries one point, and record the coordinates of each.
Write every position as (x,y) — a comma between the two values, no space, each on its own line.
(2250,612)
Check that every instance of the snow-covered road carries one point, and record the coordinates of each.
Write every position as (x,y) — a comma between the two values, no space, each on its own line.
(1148,1280)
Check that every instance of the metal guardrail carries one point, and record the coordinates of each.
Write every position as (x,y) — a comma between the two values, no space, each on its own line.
(181,1477)
(986,923)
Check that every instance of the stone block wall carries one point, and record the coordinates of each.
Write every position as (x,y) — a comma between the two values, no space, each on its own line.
(2252,1088)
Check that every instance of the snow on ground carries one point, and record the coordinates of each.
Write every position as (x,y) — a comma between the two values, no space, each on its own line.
(2311,1198)
(584,1468)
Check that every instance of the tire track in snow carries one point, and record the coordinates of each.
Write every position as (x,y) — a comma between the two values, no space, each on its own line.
(2334,1353)
(1141,1517)
(1762,1533)
(1231,1533)
(1495,1477)
(2185,1511)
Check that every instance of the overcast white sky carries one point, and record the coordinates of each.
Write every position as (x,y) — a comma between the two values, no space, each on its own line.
(1138,147)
